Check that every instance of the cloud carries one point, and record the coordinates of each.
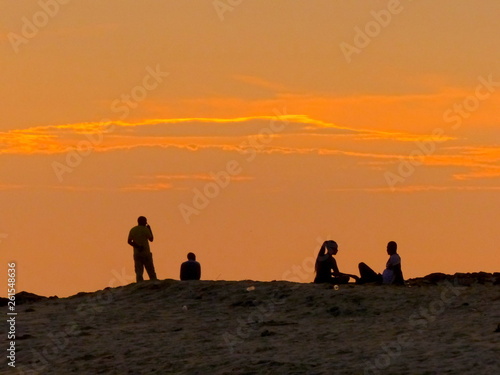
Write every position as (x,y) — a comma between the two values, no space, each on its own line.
(480,162)
(160,182)
(485,172)
(148,187)
(261,83)
(278,134)
(416,189)
(12,187)
(184,177)
(184,132)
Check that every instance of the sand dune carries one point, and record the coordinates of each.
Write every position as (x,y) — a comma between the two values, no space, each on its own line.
(440,325)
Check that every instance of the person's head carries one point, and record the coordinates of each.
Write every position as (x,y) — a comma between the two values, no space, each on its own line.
(328,249)
(392,247)
(141,220)
(332,247)
(191,256)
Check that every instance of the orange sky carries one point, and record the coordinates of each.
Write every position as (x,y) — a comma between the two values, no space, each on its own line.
(248,134)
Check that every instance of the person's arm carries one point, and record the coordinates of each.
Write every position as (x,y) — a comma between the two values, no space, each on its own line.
(337,273)
(130,241)
(335,268)
(392,262)
(181,275)
(398,275)
(198,271)
(134,245)
(150,238)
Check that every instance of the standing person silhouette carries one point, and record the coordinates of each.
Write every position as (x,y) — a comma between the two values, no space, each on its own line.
(191,269)
(326,267)
(139,238)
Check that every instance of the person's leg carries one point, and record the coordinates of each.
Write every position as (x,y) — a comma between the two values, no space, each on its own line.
(150,268)
(398,276)
(367,274)
(139,268)
(340,280)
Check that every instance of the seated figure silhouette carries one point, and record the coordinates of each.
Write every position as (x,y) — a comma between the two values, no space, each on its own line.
(392,273)
(191,269)
(326,267)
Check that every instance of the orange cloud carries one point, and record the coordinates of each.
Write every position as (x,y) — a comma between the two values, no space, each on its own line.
(148,187)
(411,113)
(161,182)
(284,134)
(418,188)
(195,132)
(198,177)
(260,82)
(479,173)
(11,187)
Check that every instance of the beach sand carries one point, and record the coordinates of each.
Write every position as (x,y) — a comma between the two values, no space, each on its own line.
(432,326)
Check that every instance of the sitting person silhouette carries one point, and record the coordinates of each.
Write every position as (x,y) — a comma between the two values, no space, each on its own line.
(191,269)
(326,267)
(392,273)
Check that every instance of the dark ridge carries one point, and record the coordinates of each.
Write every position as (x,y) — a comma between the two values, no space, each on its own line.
(464,279)
(25,297)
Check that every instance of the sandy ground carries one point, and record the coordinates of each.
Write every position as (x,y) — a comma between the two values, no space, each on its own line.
(222,327)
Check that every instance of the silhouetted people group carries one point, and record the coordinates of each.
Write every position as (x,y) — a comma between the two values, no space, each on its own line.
(327,270)
(139,238)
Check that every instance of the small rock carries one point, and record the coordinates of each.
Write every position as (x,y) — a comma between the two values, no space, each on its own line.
(334,310)
(267,333)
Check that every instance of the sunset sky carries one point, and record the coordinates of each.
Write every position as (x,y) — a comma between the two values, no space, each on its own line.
(247,132)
